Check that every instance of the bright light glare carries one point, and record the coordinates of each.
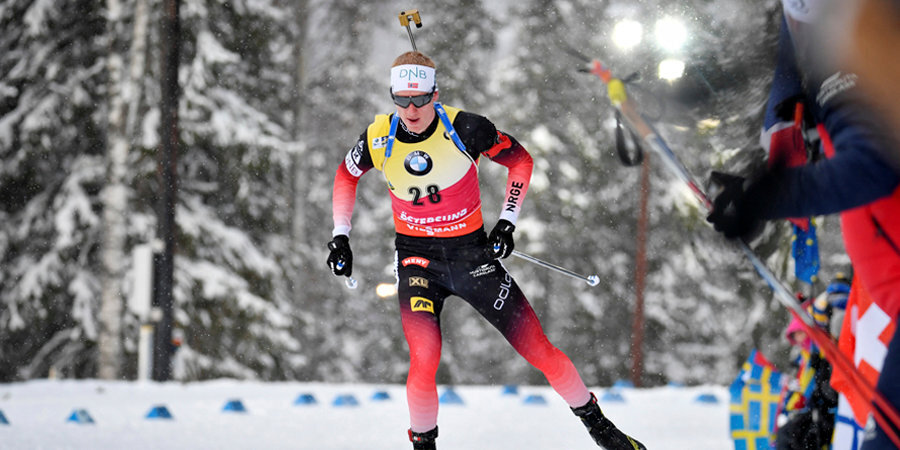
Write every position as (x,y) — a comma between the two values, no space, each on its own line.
(671,69)
(627,34)
(670,33)
(384,290)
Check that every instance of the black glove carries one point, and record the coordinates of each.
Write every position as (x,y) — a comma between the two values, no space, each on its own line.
(340,260)
(500,241)
(730,213)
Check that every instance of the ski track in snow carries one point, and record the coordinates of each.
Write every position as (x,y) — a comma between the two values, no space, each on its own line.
(37,411)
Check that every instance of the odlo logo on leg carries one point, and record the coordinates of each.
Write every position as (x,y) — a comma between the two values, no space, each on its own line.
(504,292)
(421,304)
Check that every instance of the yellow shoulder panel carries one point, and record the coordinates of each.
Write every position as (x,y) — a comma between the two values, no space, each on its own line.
(377,133)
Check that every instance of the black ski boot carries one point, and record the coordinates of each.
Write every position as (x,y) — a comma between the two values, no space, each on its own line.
(423,441)
(603,431)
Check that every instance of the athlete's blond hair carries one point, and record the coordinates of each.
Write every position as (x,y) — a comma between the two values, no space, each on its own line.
(417,58)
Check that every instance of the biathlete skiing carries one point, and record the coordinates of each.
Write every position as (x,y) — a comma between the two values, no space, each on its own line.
(428,154)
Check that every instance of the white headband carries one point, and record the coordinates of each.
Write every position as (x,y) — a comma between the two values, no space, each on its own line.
(412,77)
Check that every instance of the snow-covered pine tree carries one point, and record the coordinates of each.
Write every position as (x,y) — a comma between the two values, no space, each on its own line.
(52,147)
(233,291)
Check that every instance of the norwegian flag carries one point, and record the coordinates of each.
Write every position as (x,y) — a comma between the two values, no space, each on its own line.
(413,85)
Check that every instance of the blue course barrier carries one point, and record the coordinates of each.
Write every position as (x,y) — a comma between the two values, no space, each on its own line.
(306,399)
(707,398)
(345,400)
(380,396)
(3,419)
(450,397)
(623,384)
(159,412)
(80,416)
(234,405)
(612,396)
(510,389)
(535,399)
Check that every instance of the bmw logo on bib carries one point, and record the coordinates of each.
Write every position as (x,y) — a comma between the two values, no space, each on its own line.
(418,163)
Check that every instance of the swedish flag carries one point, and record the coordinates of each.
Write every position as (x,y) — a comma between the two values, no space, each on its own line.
(754,403)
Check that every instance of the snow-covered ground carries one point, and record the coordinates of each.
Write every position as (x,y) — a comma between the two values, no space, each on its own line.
(489,417)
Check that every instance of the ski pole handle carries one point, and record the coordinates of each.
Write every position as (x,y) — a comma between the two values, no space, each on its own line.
(591,280)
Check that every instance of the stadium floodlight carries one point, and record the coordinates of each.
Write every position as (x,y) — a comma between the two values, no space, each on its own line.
(671,69)
(671,34)
(627,34)
(385,290)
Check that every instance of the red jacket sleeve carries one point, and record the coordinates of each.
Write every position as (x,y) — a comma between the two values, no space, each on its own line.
(343,200)
(355,164)
(509,153)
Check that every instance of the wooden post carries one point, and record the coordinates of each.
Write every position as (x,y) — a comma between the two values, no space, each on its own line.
(640,276)
(168,180)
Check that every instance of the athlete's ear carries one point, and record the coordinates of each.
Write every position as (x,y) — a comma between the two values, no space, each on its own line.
(436,92)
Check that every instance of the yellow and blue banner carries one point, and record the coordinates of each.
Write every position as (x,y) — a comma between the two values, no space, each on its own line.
(755,397)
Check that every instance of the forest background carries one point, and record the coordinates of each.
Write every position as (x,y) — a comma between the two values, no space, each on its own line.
(274,93)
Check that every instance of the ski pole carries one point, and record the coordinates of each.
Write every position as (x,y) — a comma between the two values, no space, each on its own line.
(405,17)
(885,414)
(349,281)
(592,280)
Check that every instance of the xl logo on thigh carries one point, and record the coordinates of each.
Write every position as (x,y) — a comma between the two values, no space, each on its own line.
(418,282)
